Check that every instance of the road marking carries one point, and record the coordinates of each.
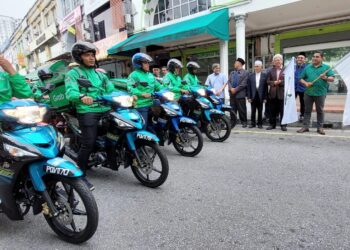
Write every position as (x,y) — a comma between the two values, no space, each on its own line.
(307,134)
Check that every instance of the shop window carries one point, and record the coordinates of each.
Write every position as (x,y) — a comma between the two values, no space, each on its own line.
(173,9)
(177,13)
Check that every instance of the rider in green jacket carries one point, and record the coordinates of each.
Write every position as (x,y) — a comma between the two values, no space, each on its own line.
(12,84)
(172,79)
(89,113)
(191,77)
(142,84)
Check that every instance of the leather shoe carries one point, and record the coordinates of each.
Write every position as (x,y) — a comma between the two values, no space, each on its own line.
(303,130)
(260,126)
(252,126)
(284,128)
(321,131)
(270,127)
(244,125)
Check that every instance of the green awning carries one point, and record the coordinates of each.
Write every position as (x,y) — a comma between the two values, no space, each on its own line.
(215,24)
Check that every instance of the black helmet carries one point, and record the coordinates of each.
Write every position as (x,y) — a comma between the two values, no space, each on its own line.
(174,63)
(191,66)
(140,58)
(44,74)
(80,48)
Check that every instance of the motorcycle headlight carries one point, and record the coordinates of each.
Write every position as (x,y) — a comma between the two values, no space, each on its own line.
(27,114)
(123,124)
(17,152)
(201,92)
(203,104)
(169,111)
(214,99)
(170,96)
(125,101)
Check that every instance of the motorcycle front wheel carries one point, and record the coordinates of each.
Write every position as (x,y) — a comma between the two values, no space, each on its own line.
(219,129)
(78,213)
(154,167)
(189,141)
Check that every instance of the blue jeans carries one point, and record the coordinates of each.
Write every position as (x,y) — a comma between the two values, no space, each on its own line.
(144,113)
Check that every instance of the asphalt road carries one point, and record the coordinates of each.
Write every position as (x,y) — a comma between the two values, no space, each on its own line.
(258,190)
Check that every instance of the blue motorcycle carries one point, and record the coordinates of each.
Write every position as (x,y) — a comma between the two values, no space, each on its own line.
(32,176)
(219,104)
(121,140)
(213,122)
(170,125)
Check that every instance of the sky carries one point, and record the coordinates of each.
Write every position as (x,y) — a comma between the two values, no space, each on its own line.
(15,8)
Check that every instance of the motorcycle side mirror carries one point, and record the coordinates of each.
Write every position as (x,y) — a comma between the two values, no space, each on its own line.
(85,83)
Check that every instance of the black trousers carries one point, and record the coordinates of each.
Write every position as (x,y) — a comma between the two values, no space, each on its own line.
(302,102)
(256,104)
(319,103)
(267,112)
(239,105)
(276,108)
(88,123)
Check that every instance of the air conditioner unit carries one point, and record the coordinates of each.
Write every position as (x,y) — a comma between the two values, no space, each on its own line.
(127,18)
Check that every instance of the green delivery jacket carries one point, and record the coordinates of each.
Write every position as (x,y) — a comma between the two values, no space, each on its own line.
(135,87)
(13,86)
(174,84)
(192,80)
(101,86)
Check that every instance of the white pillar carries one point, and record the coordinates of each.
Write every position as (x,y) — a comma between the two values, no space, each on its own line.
(224,63)
(240,35)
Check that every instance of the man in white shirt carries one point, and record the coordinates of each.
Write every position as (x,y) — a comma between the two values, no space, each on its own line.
(257,93)
(217,81)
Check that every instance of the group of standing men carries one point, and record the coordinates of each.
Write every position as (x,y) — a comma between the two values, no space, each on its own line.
(267,87)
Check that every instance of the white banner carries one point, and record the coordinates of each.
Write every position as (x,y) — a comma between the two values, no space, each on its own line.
(343,69)
(290,114)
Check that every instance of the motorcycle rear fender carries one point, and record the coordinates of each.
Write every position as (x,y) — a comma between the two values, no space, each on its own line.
(142,135)
(56,166)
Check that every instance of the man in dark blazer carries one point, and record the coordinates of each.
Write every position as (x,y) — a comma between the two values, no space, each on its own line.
(257,93)
(237,84)
(275,81)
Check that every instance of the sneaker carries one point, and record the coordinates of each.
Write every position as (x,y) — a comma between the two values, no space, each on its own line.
(283,128)
(303,130)
(88,184)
